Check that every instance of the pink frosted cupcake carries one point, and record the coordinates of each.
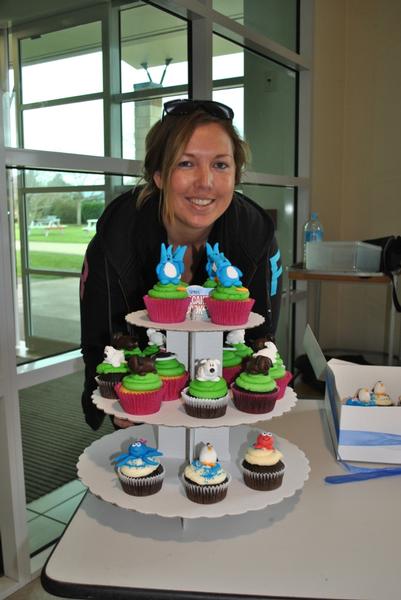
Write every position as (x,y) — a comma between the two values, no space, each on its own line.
(168,300)
(141,392)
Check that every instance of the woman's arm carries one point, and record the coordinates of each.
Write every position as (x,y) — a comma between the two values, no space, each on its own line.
(265,288)
(102,313)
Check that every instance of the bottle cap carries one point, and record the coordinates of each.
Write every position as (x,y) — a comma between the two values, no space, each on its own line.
(314,215)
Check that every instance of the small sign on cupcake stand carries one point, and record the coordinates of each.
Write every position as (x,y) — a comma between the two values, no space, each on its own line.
(177,435)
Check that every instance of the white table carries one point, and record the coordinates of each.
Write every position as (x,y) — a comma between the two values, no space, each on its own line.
(325,542)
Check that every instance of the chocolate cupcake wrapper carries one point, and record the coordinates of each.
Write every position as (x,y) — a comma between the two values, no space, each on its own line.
(263,481)
(204,408)
(206,494)
(253,403)
(141,486)
(106,388)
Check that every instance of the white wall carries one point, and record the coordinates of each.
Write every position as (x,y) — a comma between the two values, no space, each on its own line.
(356,175)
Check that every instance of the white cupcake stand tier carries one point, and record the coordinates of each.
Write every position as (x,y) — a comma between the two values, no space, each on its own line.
(96,470)
(179,435)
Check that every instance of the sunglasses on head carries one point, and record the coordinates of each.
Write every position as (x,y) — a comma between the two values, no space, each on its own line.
(187,107)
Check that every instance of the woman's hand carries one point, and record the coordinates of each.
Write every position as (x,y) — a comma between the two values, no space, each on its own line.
(123,423)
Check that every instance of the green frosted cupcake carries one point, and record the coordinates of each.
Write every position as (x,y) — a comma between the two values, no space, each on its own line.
(207,395)
(254,391)
(172,373)
(110,371)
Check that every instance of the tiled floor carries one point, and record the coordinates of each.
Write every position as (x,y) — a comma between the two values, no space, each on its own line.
(48,516)
(32,591)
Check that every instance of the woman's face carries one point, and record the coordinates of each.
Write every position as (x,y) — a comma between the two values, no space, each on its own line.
(202,182)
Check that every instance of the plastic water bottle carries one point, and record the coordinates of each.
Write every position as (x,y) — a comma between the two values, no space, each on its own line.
(313,232)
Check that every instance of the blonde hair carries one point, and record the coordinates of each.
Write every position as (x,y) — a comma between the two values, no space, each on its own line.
(165,144)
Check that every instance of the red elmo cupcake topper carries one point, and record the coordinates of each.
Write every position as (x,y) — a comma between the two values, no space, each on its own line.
(265,440)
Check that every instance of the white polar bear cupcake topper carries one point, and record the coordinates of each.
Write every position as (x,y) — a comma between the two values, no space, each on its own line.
(270,350)
(113,357)
(236,336)
(207,369)
(156,337)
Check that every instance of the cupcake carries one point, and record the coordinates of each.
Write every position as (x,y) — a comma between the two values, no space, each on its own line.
(281,376)
(236,339)
(231,364)
(141,392)
(168,300)
(262,467)
(254,391)
(156,342)
(140,472)
(110,371)
(205,481)
(380,395)
(229,302)
(172,373)
(128,344)
(207,395)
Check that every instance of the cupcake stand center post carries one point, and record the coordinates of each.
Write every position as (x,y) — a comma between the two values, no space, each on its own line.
(190,347)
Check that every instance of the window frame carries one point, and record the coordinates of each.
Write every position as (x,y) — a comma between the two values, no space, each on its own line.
(203,21)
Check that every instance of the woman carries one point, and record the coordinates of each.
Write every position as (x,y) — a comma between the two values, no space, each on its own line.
(194,159)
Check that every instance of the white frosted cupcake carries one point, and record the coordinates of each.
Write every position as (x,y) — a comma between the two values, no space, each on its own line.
(140,472)
(205,480)
(262,467)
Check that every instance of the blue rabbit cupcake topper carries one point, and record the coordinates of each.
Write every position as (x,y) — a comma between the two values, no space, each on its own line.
(219,266)
(171,265)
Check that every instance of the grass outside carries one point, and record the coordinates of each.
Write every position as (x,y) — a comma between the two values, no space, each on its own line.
(51,261)
(72,234)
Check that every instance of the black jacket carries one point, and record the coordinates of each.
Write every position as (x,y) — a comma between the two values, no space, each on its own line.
(120,266)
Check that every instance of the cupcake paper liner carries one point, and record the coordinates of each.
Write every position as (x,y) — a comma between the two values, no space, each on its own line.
(230,373)
(172,387)
(206,494)
(139,403)
(229,312)
(251,402)
(282,384)
(106,388)
(263,481)
(204,408)
(166,311)
(141,486)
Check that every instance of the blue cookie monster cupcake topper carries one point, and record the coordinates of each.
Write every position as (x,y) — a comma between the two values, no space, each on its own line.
(138,450)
